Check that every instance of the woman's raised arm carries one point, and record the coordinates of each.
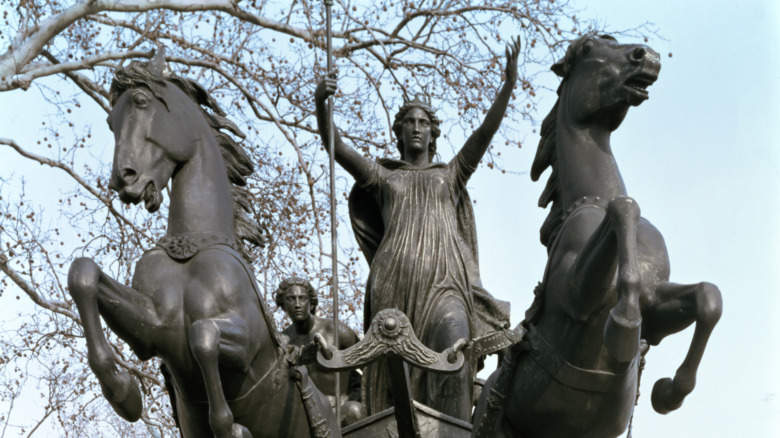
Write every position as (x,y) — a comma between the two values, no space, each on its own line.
(478,142)
(351,160)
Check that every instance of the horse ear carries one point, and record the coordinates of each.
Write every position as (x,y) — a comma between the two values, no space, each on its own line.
(158,61)
(557,68)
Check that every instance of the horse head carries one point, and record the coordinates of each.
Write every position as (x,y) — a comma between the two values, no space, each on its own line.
(151,140)
(602,78)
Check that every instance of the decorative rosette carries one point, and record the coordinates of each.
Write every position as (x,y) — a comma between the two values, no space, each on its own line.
(391,326)
(182,247)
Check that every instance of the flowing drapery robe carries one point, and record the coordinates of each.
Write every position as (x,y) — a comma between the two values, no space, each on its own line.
(416,228)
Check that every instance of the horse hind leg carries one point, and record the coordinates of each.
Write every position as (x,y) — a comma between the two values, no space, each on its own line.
(676,306)
(623,326)
(118,386)
(205,338)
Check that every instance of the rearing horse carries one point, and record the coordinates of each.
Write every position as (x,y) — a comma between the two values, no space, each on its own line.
(194,301)
(606,285)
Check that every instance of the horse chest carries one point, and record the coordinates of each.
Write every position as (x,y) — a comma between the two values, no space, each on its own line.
(163,281)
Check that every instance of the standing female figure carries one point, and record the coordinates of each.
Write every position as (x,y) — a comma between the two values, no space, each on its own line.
(414,223)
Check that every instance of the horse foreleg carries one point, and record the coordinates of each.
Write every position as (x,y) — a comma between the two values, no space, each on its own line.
(675,307)
(119,388)
(611,247)
(622,328)
(211,339)
(594,269)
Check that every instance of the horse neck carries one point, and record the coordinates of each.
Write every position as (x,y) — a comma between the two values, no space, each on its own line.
(586,166)
(201,201)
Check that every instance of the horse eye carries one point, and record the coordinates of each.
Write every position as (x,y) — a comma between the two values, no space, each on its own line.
(141,98)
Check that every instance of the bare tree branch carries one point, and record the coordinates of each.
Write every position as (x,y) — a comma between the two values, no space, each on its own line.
(58,165)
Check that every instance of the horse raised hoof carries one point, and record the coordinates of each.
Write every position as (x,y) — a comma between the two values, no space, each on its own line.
(124,395)
(663,398)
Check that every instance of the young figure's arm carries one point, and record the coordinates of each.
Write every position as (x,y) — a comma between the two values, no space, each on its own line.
(479,141)
(347,337)
(351,160)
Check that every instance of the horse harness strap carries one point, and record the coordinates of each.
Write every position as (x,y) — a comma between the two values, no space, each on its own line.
(495,341)
(570,375)
(182,247)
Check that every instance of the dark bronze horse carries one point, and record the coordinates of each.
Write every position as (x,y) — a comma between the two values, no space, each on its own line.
(194,300)
(606,286)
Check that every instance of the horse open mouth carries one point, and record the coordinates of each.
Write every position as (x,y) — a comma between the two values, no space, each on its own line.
(639,83)
(152,198)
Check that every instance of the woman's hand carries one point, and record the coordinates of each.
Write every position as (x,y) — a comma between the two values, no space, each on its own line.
(512,54)
(326,88)
(478,142)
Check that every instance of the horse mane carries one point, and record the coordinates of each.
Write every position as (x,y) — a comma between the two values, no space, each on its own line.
(238,165)
(547,156)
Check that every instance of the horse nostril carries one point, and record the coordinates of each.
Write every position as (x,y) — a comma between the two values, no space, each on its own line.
(638,54)
(129,175)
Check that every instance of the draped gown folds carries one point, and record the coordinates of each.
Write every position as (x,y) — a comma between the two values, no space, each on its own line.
(415,226)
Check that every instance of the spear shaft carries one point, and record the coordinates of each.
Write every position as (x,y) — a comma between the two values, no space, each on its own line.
(333,222)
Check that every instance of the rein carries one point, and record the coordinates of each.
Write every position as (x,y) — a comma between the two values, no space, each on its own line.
(571,376)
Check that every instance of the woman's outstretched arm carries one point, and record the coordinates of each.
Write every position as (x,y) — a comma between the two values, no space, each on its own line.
(479,141)
(352,161)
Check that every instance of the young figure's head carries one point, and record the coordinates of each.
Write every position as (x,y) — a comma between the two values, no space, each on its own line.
(416,127)
(297,297)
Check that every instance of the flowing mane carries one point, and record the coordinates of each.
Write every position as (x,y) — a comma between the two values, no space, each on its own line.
(547,156)
(237,162)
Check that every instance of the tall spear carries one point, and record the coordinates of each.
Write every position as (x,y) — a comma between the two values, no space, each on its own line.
(333,241)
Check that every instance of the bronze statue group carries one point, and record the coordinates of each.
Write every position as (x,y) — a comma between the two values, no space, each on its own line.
(604,299)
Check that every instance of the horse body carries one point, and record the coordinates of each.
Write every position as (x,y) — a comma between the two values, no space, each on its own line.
(606,285)
(193,301)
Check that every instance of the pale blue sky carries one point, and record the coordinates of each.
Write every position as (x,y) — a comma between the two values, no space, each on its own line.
(701,157)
